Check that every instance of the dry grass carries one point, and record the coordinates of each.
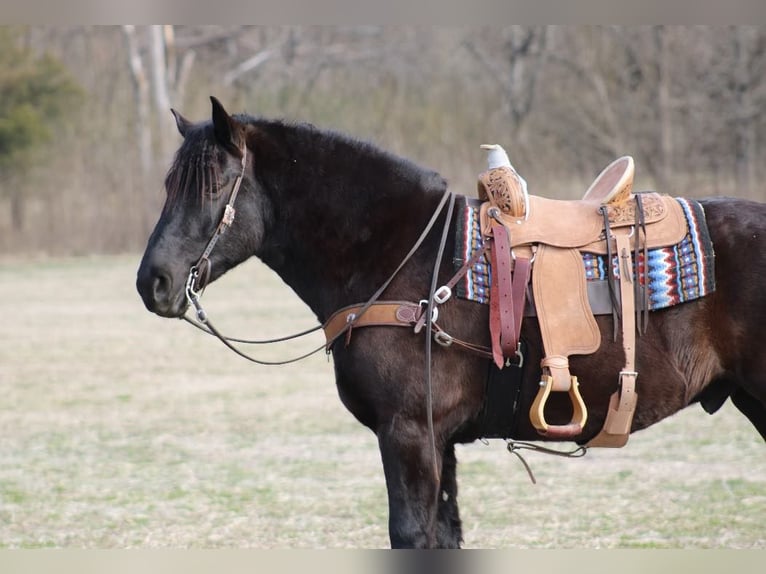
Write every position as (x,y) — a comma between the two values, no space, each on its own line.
(120,429)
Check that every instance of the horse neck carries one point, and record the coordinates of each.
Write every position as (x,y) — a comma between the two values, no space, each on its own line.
(337,237)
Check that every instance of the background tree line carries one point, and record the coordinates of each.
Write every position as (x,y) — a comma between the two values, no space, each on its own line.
(86,133)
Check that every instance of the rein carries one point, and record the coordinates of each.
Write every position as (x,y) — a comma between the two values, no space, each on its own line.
(429,313)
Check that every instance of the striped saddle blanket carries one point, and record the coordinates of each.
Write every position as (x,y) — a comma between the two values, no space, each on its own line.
(673,275)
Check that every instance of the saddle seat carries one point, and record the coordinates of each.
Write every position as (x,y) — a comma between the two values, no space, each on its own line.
(551,236)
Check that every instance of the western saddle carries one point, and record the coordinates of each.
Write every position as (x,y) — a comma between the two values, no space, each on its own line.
(545,239)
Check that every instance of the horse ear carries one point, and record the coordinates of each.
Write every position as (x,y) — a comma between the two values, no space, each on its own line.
(228,131)
(182,123)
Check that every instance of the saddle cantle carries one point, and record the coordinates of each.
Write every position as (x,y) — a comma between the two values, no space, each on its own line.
(614,184)
(550,237)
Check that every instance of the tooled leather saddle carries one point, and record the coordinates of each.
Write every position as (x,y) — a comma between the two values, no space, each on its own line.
(539,242)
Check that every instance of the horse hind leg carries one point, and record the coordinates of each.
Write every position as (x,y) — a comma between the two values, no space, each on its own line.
(715,394)
(749,392)
(752,408)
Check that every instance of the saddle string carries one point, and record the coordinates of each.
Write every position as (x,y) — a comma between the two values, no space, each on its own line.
(610,278)
(641,296)
(642,314)
(515,446)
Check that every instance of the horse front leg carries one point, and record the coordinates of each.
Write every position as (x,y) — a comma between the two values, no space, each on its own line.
(413,483)
(449,530)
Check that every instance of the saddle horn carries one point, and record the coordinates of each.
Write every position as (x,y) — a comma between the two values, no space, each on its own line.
(502,185)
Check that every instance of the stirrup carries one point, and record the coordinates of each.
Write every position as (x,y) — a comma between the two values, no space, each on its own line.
(537,412)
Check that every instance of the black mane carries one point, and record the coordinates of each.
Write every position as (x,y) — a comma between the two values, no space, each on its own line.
(347,168)
(334,164)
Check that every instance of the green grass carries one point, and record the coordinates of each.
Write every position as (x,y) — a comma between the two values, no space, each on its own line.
(119,429)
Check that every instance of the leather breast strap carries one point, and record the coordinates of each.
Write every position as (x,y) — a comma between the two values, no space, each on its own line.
(389,314)
(401,314)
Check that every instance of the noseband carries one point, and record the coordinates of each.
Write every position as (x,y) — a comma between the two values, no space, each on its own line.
(199,274)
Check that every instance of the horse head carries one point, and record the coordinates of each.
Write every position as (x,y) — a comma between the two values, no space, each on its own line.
(212,168)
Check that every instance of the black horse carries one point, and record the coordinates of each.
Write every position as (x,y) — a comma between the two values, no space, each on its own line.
(334,217)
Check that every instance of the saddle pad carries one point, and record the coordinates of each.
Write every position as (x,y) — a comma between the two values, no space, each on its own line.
(676,274)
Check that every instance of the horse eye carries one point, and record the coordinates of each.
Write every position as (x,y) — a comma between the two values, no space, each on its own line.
(216,188)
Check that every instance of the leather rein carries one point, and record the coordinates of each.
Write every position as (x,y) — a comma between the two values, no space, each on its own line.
(414,314)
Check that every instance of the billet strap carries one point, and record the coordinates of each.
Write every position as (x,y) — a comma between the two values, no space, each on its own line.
(622,403)
(522,270)
(501,311)
(507,295)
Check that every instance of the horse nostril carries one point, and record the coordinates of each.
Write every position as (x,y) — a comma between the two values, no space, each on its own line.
(161,285)
(155,286)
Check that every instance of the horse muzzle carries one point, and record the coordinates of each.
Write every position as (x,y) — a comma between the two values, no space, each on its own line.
(161,292)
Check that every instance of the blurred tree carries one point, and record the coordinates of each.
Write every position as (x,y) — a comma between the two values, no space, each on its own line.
(686,101)
(35,92)
(513,58)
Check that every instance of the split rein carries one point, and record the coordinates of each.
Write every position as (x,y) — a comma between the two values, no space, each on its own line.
(200,272)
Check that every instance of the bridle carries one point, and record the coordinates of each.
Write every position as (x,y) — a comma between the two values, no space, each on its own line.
(199,273)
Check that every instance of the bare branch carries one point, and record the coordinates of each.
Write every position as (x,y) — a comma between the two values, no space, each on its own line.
(141,89)
(247,66)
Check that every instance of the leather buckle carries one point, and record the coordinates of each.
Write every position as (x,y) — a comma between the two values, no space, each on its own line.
(444,339)
(422,306)
(442,294)
(434,312)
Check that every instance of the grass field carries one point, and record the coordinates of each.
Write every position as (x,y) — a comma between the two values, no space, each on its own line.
(120,429)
